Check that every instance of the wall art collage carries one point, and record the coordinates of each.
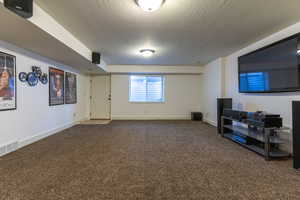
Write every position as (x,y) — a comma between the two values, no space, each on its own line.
(62,85)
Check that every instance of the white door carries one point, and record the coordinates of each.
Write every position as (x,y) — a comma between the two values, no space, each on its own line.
(100,97)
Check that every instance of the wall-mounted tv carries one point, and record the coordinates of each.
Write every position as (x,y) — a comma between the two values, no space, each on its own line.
(274,68)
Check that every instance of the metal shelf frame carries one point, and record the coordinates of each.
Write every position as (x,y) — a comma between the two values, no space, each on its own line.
(265,136)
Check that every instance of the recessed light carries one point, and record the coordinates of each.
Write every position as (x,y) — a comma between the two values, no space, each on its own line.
(298,51)
(150,5)
(147,52)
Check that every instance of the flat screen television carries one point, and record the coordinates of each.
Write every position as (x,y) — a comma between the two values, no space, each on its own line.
(274,68)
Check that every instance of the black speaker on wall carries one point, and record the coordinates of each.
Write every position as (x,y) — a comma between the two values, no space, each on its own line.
(296,133)
(222,103)
(96,58)
(22,8)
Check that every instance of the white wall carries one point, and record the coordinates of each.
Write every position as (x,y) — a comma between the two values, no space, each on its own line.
(34,119)
(182,96)
(213,88)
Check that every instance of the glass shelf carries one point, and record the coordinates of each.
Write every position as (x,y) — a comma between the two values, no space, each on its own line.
(258,135)
(275,153)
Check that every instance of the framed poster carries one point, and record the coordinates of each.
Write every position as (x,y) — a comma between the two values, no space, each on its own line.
(8,84)
(56,86)
(70,88)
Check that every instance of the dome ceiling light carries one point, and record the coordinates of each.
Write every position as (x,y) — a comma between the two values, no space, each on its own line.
(147,52)
(150,5)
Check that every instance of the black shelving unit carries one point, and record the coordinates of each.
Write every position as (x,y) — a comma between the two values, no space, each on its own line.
(263,141)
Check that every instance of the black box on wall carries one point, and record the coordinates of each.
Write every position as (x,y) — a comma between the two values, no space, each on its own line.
(22,8)
(96,58)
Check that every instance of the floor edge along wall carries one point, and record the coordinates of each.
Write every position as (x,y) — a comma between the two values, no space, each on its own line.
(15,145)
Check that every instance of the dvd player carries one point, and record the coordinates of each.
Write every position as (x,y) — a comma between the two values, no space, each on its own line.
(235,114)
(264,119)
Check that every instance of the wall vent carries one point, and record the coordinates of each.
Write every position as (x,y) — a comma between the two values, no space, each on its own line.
(2,150)
(8,148)
(11,147)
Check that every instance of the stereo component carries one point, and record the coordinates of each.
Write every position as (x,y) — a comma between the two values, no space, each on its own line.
(263,119)
(22,8)
(235,114)
(96,58)
(222,103)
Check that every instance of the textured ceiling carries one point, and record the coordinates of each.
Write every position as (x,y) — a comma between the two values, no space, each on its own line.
(183,32)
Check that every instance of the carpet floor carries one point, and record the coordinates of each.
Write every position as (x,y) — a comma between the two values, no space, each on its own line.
(146,160)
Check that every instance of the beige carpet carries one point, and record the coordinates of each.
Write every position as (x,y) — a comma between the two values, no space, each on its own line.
(146,160)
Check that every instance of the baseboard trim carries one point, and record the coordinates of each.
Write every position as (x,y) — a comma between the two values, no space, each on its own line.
(151,117)
(213,123)
(13,146)
(100,119)
(44,135)
(83,119)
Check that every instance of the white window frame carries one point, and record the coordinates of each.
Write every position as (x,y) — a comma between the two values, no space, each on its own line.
(163,89)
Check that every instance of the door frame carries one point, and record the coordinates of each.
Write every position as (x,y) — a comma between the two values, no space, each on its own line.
(109,107)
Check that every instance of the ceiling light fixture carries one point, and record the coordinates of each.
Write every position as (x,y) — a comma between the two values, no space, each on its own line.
(150,5)
(147,52)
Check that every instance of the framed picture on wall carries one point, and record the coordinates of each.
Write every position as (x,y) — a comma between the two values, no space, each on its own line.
(8,89)
(70,88)
(56,86)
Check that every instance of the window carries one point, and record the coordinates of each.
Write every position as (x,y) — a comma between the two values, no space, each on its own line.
(146,89)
